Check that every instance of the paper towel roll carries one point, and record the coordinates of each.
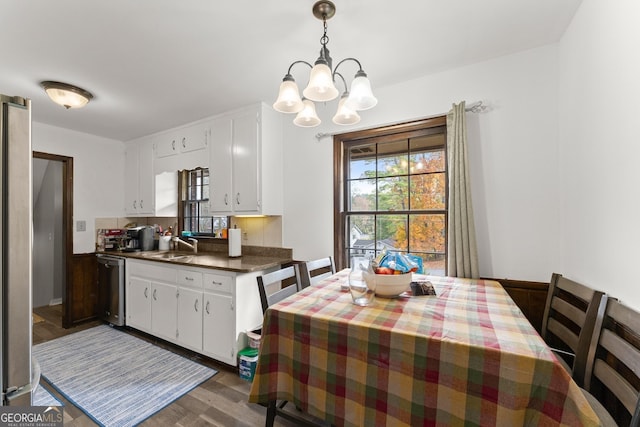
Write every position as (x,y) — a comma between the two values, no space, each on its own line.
(235,244)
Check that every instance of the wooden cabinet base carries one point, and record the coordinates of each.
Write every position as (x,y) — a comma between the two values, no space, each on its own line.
(81,293)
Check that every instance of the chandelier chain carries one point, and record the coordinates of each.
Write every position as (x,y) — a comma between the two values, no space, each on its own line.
(325,38)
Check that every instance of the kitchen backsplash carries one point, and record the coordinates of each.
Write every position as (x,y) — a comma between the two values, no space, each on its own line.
(256,231)
(260,231)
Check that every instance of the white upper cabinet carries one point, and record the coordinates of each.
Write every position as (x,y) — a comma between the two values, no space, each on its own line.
(246,162)
(195,138)
(167,145)
(246,165)
(220,166)
(181,148)
(242,149)
(147,193)
(139,178)
(183,140)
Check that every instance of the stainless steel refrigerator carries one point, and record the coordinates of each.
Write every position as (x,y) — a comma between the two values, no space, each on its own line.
(15,252)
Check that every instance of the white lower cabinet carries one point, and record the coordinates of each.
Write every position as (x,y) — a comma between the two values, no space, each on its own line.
(190,309)
(218,327)
(190,318)
(164,305)
(138,303)
(205,310)
(151,300)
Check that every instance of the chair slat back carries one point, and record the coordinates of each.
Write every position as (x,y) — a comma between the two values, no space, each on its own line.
(569,319)
(613,365)
(278,276)
(316,270)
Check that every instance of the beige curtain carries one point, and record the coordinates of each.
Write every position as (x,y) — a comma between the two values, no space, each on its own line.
(461,245)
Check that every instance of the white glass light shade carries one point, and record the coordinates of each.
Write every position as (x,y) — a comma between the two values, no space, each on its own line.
(307,117)
(67,99)
(68,96)
(320,87)
(360,96)
(288,98)
(345,115)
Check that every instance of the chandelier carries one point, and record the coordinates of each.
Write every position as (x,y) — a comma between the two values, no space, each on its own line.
(321,86)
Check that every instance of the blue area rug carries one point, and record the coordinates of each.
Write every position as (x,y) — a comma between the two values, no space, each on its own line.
(42,397)
(116,378)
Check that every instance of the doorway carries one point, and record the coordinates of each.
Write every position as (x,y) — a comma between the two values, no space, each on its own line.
(52,178)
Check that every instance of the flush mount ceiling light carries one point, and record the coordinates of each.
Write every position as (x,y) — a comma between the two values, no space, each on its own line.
(321,87)
(67,95)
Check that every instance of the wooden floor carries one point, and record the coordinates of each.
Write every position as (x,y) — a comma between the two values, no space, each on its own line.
(220,401)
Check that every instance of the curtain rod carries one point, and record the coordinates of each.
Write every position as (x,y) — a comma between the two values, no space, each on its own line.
(475,107)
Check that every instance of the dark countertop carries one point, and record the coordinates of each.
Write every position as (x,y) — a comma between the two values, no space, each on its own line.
(216,260)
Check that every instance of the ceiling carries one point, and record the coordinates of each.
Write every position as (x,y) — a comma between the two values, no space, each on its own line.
(157,64)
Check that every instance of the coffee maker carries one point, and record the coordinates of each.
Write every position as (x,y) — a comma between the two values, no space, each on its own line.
(140,238)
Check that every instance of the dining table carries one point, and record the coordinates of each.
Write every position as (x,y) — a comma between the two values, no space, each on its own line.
(464,356)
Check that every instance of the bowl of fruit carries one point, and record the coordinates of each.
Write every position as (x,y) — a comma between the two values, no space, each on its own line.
(388,285)
(391,274)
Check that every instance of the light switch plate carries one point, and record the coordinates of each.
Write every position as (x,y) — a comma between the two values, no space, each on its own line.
(81,225)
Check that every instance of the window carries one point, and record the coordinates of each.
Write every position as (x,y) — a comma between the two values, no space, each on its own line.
(195,217)
(393,183)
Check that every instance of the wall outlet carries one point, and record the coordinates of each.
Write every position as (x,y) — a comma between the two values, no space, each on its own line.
(81,225)
(245,235)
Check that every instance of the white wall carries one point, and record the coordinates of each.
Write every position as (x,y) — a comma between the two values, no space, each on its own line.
(599,90)
(513,152)
(98,174)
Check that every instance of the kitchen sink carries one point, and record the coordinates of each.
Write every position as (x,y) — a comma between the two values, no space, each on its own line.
(172,256)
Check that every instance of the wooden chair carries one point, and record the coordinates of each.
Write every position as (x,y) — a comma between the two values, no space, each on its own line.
(285,274)
(613,366)
(568,322)
(314,271)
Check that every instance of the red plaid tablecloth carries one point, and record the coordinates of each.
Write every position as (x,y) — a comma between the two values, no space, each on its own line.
(467,356)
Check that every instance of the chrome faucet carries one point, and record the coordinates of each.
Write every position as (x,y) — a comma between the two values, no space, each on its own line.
(194,243)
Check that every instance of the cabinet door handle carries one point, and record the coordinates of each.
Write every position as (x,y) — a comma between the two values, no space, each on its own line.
(188,278)
(237,198)
(135,204)
(195,305)
(184,142)
(216,283)
(146,292)
(141,206)
(226,199)
(173,145)
(154,295)
(206,308)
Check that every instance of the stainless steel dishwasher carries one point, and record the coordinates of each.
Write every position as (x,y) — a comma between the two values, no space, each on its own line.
(111,289)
